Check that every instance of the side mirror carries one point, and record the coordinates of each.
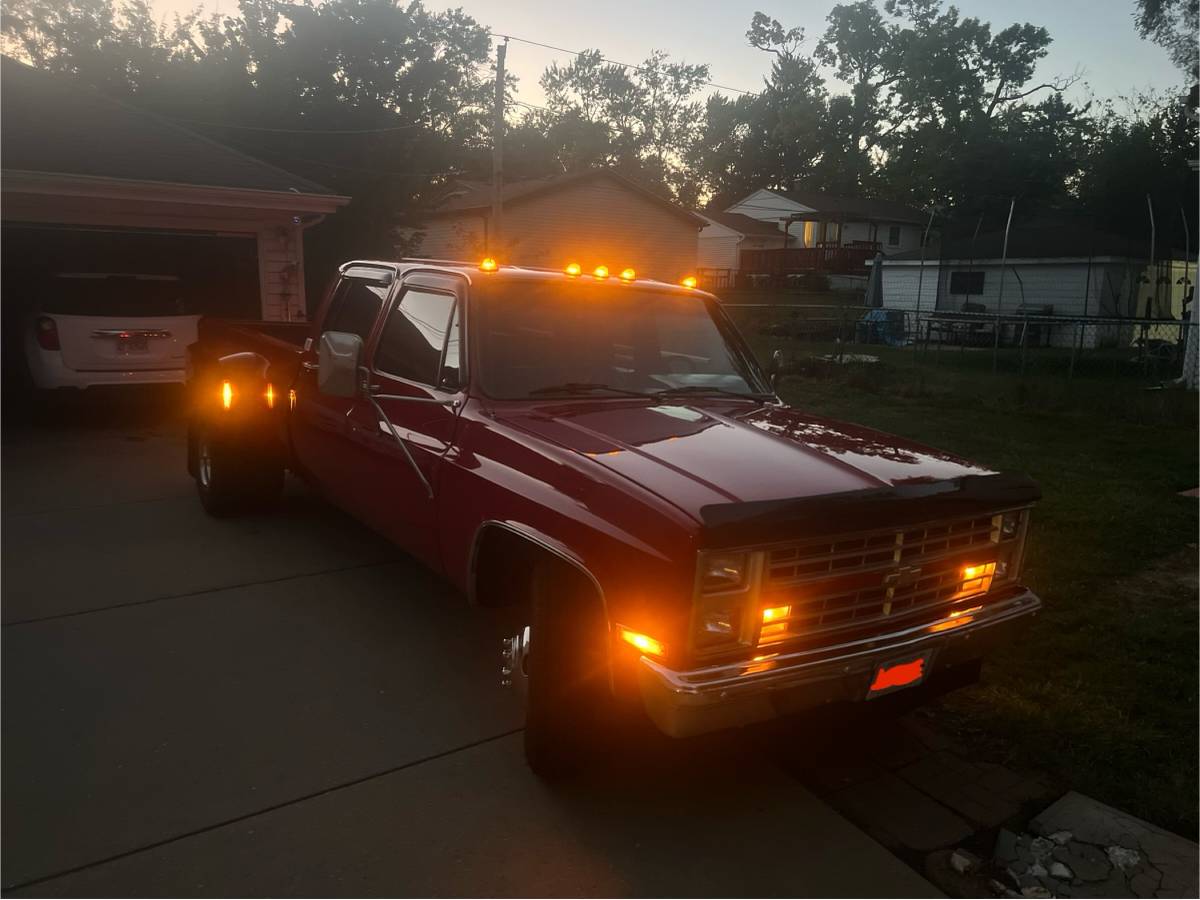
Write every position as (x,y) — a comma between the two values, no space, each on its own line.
(339,353)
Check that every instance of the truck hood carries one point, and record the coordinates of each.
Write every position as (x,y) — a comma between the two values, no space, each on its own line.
(698,453)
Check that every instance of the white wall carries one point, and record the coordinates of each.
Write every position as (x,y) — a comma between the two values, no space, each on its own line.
(900,285)
(770,207)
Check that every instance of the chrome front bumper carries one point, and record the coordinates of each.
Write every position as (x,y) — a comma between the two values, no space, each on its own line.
(684,703)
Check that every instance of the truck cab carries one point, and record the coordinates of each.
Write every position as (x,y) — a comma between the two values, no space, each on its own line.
(602,455)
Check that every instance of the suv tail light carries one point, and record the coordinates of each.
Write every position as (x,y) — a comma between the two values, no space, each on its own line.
(46,331)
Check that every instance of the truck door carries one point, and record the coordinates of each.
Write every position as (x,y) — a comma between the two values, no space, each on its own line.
(321,438)
(417,383)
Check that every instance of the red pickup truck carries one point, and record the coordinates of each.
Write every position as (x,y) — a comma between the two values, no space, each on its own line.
(602,454)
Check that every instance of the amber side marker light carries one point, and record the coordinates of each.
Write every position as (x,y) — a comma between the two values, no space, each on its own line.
(976,579)
(642,642)
(226,394)
(488,265)
(270,395)
(573,269)
(628,274)
(774,624)
(689,282)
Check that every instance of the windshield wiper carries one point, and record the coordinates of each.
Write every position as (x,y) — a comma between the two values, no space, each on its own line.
(583,387)
(708,389)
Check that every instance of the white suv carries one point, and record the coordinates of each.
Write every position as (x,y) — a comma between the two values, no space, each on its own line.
(102,328)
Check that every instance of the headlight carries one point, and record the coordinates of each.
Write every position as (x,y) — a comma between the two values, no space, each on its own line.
(723,572)
(724,599)
(1007,525)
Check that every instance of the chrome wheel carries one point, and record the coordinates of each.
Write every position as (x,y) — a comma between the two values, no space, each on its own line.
(204,463)
(514,662)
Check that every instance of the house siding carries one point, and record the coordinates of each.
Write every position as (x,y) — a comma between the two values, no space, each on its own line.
(1067,287)
(718,251)
(281,273)
(592,223)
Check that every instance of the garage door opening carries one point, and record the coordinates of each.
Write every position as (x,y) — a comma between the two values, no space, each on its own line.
(217,275)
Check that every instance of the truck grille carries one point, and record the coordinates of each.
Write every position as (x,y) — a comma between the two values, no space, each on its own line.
(875,581)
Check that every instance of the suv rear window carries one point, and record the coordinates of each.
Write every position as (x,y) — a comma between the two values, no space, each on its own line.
(115,295)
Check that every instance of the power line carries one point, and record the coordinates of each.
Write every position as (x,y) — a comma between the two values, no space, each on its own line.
(298,130)
(614,62)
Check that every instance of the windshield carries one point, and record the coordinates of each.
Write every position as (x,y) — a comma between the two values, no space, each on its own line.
(114,295)
(561,339)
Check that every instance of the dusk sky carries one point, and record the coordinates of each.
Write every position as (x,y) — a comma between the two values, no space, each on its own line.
(1096,37)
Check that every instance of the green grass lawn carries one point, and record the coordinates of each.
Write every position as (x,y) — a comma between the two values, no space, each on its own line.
(1101,694)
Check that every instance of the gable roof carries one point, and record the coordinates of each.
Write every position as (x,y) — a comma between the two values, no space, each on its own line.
(476,196)
(50,123)
(743,224)
(860,208)
(1061,241)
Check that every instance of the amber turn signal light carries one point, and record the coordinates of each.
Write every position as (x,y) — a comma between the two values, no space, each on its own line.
(642,642)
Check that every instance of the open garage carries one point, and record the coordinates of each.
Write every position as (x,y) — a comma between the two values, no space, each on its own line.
(94,186)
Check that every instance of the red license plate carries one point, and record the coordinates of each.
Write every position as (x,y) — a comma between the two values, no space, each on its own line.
(899,674)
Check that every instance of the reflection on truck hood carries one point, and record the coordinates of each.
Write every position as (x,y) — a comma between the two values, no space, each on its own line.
(703,451)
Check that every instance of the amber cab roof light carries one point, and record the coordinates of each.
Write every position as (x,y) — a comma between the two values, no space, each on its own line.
(488,264)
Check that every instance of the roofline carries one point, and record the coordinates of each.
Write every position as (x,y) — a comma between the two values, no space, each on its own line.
(845,217)
(19,181)
(712,221)
(560,184)
(137,110)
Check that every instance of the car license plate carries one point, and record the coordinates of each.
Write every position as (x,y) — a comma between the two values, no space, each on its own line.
(898,674)
(134,343)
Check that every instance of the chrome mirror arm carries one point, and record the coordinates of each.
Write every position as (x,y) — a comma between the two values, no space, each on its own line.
(399,440)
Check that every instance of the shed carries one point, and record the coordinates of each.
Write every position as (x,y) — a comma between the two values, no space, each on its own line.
(1058,270)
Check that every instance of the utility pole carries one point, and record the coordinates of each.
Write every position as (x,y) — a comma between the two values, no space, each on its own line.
(496,226)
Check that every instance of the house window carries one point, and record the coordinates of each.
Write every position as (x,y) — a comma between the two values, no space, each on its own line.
(894,236)
(966,282)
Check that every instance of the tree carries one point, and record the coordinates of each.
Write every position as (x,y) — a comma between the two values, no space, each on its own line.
(1172,24)
(640,119)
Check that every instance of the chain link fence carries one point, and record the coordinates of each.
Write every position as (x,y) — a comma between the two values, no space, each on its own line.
(1140,352)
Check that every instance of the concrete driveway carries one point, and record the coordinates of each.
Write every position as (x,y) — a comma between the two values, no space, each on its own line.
(284,704)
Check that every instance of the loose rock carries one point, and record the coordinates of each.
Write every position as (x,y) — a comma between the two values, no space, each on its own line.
(963,861)
(1085,860)
(1123,858)
(1060,837)
(1058,870)
(1037,891)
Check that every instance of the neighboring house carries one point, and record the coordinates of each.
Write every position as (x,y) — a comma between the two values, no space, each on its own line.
(819,219)
(593,218)
(1058,270)
(726,234)
(91,184)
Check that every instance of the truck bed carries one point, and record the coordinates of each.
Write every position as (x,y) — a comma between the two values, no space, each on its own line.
(281,343)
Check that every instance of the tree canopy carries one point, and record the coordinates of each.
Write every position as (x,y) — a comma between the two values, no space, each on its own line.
(388,102)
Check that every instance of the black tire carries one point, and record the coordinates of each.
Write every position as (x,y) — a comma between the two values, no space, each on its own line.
(229,482)
(568,701)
